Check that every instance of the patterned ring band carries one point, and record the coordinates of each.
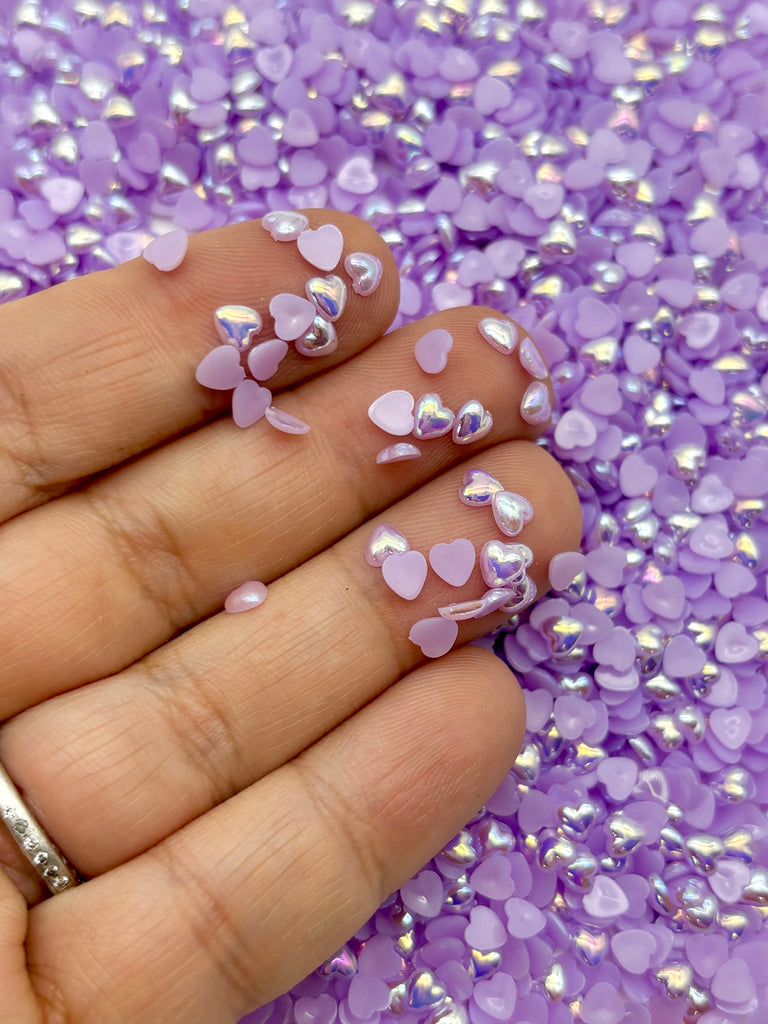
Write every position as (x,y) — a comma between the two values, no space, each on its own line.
(35,845)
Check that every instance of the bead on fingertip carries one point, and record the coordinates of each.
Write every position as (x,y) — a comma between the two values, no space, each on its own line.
(237,325)
(511,512)
(500,334)
(472,422)
(320,339)
(400,452)
(392,412)
(384,540)
(284,225)
(329,295)
(247,596)
(478,488)
(431,418)
(365,272)
(535,407)
(321,246)
(431,350)
(530,359)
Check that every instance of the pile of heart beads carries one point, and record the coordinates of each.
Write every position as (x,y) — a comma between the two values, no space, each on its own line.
(503,566)
(399,413)
(240,364)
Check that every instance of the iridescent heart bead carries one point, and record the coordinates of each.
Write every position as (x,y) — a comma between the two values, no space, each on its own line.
(472,422)
(503,565)
(431,418)
(478,488)
(400,452)
(329,294)
(535,407)
(237,325)
(511,512)
(284,225)
(384,540)
(320,340)
(365,271)
(530,359)
(500,334)
(521,595)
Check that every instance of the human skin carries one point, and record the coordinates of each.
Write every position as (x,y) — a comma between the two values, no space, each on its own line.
(240,791)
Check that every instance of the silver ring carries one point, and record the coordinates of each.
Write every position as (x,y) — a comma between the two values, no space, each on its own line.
(37,847)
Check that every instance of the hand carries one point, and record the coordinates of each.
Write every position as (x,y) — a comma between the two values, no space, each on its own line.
(241,791)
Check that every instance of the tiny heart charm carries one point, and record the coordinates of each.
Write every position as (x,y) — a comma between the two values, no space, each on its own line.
(364,271)
(320,340)
(453,562)
(431,417)
(284,225)
(321,247)
(384,540)
(393,412)
(501,334)
(329,294)
(264,359)
(249,403)
(502,564)
(530,359)
(237,325)
(220,369)
(292,315)
(479,488)
(432,350)
(284,422)
(472,422)
(511,512)
(435,636)
(405,574)
(167,251)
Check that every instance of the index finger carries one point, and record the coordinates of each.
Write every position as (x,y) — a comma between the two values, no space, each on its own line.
(101,368)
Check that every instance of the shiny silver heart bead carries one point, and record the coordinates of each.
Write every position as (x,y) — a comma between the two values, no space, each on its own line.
(500,334)
(472,422)
(329,294)
(504,565)
(511,512)
(284,225)
(320,340)
(431,418)
(365,272)
(237,325)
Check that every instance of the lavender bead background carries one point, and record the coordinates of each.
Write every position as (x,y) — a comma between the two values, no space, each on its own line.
(597,170)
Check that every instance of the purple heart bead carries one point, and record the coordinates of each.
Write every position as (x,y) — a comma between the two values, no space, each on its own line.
(365,272)
(504,564)
(478,488)
(237,325)
(405,574)
(320,340)
(322,246)
(454,561)
(393,412)
(472,422)
(168,251)
(292,314)
(383,541)
(431,350)
(435,636)
(249,403)
(220,369)
(264,359)
(284,422)
(511,512)
(329,294)
(284,225)
(400,452)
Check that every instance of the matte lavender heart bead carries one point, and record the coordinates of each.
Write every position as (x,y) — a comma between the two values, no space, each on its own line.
(405,574)
(284,422)
(264,359)
(431,350)
(220,369)
(400,452)
(393,412)
(435,636)
(454,561)
(249,403)
(168,251)
(322,246)
(292,314)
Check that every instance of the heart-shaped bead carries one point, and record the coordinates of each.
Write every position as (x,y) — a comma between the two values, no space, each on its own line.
(520,596)
(284,225)
(501,334)
(400,452)
(393,412)
(502,564)
(530,359)
(454,561)
(237,325)
(168,251)
(435,636)
(284,422)
(292,314)
(472,422)
(405,573)
(511,512)
(320,340)
(249,403)
(247,596)
(365,271)
(535,406)
(479,488)
(264,359)
(463,610)
(357,176)
(329,294)
(220,369)
(431,350)
(322,246)
(431,418)
(383,541)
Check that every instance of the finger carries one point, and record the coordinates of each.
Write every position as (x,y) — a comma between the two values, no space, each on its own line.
(18,1004)
(120,349)
(245,901)
(238,695)
(157,546)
